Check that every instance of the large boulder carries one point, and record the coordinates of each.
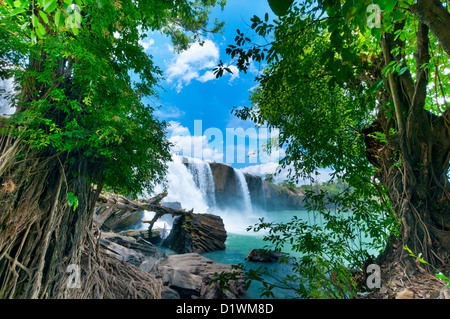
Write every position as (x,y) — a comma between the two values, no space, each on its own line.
(189,277)
(225,185)
(129,249)
(263,255)
(198,233)
(121,220)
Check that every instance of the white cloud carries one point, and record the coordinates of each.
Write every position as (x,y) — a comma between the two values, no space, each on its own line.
(167,112)
(194,145)
(207,76)
(261,169)
(146,43)
(196,63)
(188,64)
(235,72)
(272,168)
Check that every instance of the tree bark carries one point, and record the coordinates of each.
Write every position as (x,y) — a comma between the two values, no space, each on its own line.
(413,164)
(437,18)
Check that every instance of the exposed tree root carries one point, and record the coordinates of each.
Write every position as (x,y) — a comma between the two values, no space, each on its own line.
(42,236)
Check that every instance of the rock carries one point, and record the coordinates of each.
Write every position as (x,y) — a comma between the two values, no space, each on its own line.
(263,255)
(405,294)
(263,194)
(282,198)
(189,275)
(198,233)
(135,233)
(186,284)
(148,264)
(168,293)
(173,205)
(121,220)
(122,253)
(129,249)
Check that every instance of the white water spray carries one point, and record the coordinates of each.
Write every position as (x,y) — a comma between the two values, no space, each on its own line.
(203,178)
(242,183)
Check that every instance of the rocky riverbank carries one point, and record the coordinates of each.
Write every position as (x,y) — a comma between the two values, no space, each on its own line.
(183,276)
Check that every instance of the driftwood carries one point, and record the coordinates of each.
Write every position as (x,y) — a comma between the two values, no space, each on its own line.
(107,204)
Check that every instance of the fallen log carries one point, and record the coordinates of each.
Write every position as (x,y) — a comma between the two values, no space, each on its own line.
(107,204)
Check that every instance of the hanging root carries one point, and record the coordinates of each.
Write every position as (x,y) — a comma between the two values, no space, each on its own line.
(41,235)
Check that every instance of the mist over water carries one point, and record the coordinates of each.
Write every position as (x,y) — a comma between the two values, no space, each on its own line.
(191,184)
(244,190)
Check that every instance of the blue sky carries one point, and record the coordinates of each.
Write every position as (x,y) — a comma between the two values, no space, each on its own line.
(192,95)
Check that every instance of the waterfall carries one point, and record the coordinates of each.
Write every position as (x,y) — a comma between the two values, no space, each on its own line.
(203,178)
(263,194)
(242,183)
(180,188)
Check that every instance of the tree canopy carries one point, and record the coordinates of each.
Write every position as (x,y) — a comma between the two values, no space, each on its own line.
(83,74)
(360,87)
(80,125)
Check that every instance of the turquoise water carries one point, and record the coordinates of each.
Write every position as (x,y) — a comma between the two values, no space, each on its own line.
(240,242)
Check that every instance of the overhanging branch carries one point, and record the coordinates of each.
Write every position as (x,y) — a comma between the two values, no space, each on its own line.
(437,18)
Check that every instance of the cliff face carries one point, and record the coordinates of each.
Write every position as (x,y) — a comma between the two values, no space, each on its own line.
(282,198)
(263,194)
(225,185)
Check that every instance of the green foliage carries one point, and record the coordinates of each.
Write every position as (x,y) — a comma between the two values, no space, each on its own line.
(319,89)
(72,200)
(280,7)
(439,275)
(83,77)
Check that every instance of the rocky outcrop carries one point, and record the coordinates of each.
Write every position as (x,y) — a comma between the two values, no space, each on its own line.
(128,249)
(121,220)
(262,194)
(282,198)
(225,185)
(263,255)
(198,233)
(154,237)
(188,276)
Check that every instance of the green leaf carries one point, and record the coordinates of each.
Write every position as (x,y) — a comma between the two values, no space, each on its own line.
(33,36)
(17,11)
(34,20)
(72,200)
(50,5)
(43,16)
(440,275)
(40,31)
(75,31)
(59,19)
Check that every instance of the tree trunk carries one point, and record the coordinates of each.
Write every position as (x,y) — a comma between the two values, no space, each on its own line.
(49,249)
(413,164)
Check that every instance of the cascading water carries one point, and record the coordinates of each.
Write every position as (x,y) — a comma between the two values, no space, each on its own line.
(192,186)
(203,178)
(181,188)
(263,201)
(242,183)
